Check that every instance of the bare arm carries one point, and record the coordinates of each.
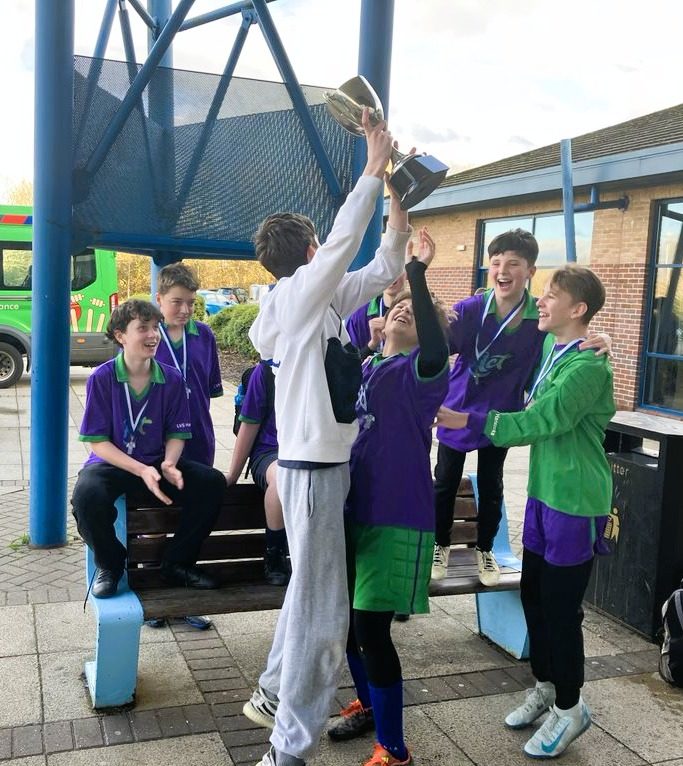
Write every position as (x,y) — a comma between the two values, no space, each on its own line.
(244,443)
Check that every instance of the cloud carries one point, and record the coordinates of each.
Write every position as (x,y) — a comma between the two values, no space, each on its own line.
(432,135)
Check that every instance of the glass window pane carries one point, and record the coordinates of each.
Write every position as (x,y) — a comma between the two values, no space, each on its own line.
(664,384)
(16,269)
(549,233)
(666,324)
(539,280)
(670,245)
(83,272)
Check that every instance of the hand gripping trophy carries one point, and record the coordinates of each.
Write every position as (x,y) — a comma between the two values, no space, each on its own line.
(414,176)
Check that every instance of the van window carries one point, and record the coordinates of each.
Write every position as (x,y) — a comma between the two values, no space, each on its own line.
(83,270)
(15,269)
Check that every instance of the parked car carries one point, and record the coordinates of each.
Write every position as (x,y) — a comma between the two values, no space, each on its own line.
(215,302)
(234,294)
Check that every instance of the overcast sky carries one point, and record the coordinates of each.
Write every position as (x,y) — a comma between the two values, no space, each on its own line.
(472,80)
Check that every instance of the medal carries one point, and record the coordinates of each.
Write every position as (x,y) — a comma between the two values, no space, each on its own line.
(182,370)
(548,364)
(133,424)
(480,353)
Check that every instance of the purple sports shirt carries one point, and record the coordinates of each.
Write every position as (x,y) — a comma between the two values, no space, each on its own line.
(391,476)
(498,379)
(257,409)
(203,380)
(106,416)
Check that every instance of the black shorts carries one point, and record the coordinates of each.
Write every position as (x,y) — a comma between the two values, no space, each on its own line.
(259,467)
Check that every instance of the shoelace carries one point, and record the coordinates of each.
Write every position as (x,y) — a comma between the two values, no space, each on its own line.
(488,562)
(548,728)
(440,557)
(381,757)
(352,709)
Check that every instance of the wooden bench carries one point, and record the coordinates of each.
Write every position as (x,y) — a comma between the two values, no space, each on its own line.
(234,554)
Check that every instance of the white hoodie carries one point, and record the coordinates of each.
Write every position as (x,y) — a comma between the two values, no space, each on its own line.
(296,318)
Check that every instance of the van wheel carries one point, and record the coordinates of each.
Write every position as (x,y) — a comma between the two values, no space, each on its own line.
(11,365)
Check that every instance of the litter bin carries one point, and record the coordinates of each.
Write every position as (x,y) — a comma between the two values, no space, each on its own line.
(645,529)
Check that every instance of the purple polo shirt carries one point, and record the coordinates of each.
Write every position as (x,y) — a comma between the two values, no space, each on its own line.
(106,418)
(499,378)
(257,409)
(391,476)
(203,380)
(357,323)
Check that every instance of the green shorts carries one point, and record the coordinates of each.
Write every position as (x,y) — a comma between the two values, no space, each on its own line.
(389,568)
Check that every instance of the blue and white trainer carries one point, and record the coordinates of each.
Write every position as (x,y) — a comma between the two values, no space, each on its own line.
(261,708)
(558,731)
(538,701)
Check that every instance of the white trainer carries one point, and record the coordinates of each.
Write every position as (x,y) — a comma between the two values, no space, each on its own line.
(440,562)
(489,572)
(537,702)
(559,730)
(261,708)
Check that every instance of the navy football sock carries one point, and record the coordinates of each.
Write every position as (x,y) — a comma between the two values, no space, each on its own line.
(387,704)
(360,678)
(276,538)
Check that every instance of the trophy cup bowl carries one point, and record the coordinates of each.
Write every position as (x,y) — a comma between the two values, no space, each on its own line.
(414,176)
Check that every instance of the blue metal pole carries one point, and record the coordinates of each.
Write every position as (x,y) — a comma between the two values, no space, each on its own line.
(214,109)
(51,271)
(296,94)
(374,63)
(568,199)
(161,110)
(142,13)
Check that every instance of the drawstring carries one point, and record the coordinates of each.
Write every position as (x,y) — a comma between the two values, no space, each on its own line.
(92,579)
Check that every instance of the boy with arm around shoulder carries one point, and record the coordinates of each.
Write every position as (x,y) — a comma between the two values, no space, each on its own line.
(570,489)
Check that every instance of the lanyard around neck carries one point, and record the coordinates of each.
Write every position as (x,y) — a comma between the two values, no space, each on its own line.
(182,370)
(502,327)
(134,423)
(548,363)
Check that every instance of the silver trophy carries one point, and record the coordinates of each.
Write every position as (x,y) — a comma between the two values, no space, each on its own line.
(414,176)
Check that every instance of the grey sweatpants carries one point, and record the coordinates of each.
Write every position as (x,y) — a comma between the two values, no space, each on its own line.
(310,636)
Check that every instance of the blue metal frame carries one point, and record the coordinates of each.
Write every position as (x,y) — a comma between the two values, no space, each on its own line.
(153,24)
(291,82)
(218,98)
(51,271)
(652,271)
(113,240)
(568,199)
(374,63)
(159,49)
(220,13)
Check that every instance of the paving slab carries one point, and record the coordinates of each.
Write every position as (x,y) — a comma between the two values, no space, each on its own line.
(642,711)
(476,726)
(63,627)
(195,750)
(430,745)
(20,684)
(17,635)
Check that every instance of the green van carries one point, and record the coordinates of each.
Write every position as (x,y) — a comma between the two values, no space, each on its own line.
(93,296)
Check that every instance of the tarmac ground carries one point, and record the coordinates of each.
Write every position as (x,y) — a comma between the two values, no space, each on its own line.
(192,685)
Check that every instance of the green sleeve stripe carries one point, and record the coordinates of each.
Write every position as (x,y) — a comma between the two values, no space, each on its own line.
(86,438)
(420,379)
(251,421)
(184,435)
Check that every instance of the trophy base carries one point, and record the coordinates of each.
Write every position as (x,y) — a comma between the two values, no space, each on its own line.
(416,177)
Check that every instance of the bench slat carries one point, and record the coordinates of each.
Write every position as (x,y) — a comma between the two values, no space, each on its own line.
(214,548)
(228,572)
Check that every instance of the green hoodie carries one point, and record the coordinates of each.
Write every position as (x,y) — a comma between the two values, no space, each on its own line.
(565,425)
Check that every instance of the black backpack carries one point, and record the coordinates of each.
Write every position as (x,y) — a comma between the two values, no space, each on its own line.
(242,390)
(671,656)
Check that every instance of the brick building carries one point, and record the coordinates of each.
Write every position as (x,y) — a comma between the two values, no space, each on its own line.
(637,251)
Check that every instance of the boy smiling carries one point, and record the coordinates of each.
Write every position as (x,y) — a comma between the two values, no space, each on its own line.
(570,403)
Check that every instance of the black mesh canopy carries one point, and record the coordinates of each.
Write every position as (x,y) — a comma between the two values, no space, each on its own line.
(256,158)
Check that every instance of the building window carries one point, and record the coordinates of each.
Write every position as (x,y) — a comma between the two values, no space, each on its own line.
(663,378)
(549,232)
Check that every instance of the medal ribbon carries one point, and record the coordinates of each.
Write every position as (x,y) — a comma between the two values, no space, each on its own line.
(548,364)
(133,423)
(502,327)
(182,370)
